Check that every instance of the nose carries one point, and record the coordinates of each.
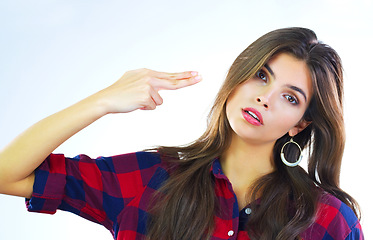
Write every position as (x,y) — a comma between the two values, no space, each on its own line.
(264,101)
(265,96)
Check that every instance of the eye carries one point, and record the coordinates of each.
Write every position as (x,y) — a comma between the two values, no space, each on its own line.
(292,99)
(262,75)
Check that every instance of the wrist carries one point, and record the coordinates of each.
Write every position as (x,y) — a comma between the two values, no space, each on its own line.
(96,105)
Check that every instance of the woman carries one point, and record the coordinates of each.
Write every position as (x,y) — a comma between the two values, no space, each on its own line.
(239,180)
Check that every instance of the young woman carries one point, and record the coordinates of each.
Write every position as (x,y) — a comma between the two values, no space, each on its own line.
(239,180)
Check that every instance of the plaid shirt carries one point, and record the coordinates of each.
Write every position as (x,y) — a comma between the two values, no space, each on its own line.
(115,192)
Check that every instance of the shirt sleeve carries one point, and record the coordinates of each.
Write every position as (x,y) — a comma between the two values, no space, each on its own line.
(341,222)
(95,189)
(351,223)
(356,233)
(334,220)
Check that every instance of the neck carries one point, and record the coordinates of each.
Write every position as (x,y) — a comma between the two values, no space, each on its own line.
(243,163)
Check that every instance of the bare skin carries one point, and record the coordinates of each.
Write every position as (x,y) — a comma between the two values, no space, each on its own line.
(137,89)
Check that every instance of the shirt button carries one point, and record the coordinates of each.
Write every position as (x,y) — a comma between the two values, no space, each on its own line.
(248,211)
(230,233)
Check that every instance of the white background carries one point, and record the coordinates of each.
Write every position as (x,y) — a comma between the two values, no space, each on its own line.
(54,53)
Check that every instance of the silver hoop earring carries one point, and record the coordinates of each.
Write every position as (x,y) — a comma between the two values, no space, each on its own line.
(286,162)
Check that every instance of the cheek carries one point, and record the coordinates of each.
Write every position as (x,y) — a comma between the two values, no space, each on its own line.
(289,120)
(241,95)
(234,102)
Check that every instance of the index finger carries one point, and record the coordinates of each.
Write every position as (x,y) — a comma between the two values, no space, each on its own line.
(172,84)
(174,76)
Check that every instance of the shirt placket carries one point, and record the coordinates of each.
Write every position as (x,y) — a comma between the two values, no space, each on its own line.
(228,202)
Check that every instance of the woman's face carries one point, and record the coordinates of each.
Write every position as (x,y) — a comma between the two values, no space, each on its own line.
(272,103)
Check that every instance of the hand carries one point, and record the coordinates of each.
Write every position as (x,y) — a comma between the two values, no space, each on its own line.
(138,89)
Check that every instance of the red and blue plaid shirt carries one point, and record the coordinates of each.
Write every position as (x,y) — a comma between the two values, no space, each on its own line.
(115,192)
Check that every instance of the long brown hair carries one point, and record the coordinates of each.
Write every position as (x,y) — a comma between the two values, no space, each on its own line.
(188,203)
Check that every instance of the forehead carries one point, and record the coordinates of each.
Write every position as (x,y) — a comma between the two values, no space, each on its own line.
(289,70)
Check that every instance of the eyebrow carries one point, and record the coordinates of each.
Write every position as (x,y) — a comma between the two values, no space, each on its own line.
(289,86)
(298,90)
(269,70)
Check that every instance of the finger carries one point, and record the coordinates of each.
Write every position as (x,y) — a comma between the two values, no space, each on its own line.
(150,105)
(160,84)
(179,75)
(157,99)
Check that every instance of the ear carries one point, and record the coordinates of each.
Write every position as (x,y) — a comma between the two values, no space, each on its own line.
(299,127)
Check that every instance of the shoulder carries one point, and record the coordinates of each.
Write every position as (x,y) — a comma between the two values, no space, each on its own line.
(335,219)
(136,160)
(330,207)
(143,161)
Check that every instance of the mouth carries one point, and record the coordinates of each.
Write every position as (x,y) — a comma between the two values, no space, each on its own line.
(252,116)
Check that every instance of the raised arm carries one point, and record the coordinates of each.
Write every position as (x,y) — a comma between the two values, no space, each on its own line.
(137,89)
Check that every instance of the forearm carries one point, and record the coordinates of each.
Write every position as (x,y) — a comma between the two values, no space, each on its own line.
(25,153)
(137,89)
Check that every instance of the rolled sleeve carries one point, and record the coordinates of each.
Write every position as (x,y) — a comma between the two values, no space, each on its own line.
(81,185)
(95,189)
(50,181)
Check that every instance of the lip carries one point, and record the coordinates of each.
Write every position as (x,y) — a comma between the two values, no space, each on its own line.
(249,118)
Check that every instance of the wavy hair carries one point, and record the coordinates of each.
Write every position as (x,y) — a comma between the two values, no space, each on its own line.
(189,192)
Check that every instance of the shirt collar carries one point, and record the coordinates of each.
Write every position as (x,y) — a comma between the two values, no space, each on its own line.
(217,170)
